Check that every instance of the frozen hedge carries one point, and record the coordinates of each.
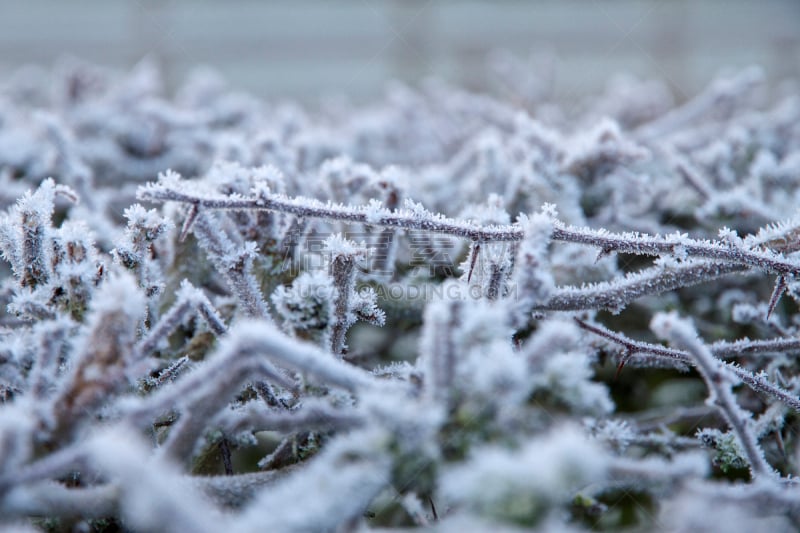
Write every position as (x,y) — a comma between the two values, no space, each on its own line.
(444,309)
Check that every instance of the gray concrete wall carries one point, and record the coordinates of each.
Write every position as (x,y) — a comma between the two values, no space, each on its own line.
(301,48)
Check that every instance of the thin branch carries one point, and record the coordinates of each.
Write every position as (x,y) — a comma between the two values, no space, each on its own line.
(191,216)
(311,416)
(419,218)
(642,244)
(234,263)
(757,382)
(745,347)
(189,299)
(476,248)
(777,292)
(616,294)
(168,374)
(55,500)
(720,387)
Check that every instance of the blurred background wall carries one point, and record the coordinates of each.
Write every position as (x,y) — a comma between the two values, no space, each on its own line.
(303,48)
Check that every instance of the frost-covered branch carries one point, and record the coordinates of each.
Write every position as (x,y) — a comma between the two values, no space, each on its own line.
(680,246)
(189,299)
(234,262)
(758,382)
(715,374)
(414,216)
(311,416)
(615,295)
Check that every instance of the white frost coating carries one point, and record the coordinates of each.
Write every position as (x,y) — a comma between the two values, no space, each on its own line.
(307,304)
(532,281)
(149,222)
(600,147)
(374,211)
(567,378)
(154,495)
(465,349)
(16,428)
(365,307)
(719,382)
(689,511)
(499,482)
(502,369)
(119,294)
(286,351)
(334,487)
(617,433)
(338,245)
(561,368)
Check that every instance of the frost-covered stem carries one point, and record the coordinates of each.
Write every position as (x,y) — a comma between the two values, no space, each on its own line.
(34,250)
(189,299)
(52,339)
(760,384)
(292,238)
(240,359)
(763,496)
(236,490)
(196,414)
(717,378)
(243,352)
(169,374)
(308,207)
(231,371)
(721,94)
(441,319)
(746,347)
(311,416)
(51,466)
(640,244)
(103,353)
(780,287)
(497,275)
(420,218)
(136,252)
(532,279)
(386,241)
(54,500)
(658,441)
(24,233)
(627,471)
(691,175)
(237,273)
(208,387)
(188,222)
(632,347)
(615,295)
(343,273)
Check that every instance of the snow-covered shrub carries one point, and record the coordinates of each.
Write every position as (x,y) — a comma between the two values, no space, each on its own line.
(439,310)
